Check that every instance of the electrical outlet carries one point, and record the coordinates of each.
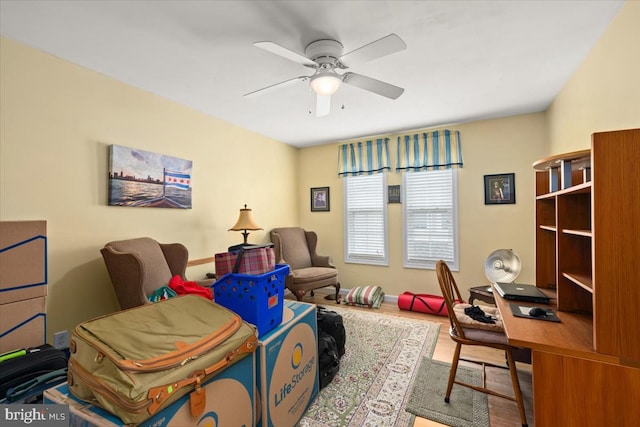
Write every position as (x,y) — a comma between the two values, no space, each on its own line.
(61,340)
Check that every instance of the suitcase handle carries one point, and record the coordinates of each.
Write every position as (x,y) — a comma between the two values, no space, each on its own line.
(17,392)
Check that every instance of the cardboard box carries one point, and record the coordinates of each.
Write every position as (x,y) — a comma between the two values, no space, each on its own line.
(23,260)
(288,366)
(230,402)
(23,324)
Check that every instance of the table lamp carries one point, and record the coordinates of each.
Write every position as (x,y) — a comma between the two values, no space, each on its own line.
(245,222)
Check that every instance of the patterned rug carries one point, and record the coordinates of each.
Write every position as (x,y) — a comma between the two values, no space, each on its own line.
(466,407)
(377,372)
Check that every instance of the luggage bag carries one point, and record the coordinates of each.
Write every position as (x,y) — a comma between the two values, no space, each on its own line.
(23,365)
(136,362)
(328,358)
(331,344)
(249,259)
(332,323)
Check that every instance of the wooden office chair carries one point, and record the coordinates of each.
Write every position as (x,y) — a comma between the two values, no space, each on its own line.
(466,331)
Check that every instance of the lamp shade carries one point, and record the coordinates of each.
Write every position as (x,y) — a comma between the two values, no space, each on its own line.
(245,221)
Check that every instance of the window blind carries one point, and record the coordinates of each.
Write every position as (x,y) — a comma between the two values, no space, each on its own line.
(365,219)
(430,218)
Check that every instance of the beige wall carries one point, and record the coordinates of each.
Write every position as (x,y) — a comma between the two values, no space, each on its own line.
(57,123)
(489,147)
(604,93)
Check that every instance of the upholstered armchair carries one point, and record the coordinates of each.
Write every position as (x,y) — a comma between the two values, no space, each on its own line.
(308,270)
(140,266)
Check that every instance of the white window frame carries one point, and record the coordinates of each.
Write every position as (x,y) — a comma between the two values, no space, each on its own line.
(350,255)
(450,201)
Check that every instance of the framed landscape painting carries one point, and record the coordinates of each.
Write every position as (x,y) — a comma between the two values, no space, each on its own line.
(144,179)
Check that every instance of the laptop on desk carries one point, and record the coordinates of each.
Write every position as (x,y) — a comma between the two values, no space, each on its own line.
(520,292)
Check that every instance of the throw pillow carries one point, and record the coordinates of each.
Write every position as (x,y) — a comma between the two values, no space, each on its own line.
(365,296)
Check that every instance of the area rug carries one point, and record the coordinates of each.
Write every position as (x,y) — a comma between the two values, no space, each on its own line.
(466,407)
(377,371)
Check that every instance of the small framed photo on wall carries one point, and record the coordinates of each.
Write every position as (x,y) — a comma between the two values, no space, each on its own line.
(500,189)
(320,199)
(393,194)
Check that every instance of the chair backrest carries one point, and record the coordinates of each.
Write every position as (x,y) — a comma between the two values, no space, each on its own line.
(450,293)
(137,268)
(291,246)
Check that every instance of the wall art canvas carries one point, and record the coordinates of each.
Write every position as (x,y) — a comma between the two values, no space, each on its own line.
(144,179)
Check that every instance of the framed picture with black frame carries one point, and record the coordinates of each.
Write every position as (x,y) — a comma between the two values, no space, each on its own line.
(500,189)
(393,194)
(320,199)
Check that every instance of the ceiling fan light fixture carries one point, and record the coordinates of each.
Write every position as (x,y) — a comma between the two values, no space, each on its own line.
(325,83)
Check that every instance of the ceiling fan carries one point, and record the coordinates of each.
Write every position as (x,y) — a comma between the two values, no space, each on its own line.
(325,57)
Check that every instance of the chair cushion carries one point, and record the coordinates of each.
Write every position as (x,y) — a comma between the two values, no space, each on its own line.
(367,296)
(313,274)
(469,323)
(485,336)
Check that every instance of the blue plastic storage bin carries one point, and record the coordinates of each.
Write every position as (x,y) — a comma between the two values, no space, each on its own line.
(258,299)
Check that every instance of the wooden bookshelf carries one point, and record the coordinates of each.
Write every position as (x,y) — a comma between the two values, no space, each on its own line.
(588,236)
(586,369)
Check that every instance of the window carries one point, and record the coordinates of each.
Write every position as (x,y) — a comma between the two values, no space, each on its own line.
(365,219)
(430,218)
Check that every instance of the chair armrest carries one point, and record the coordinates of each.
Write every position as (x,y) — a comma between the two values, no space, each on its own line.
(322,261)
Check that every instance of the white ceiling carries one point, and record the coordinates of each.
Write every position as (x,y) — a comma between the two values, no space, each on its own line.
(465,60)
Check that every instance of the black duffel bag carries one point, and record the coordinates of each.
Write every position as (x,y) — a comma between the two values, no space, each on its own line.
(328,359)
(332,323)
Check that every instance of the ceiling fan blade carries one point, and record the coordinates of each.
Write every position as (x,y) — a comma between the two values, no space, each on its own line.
(373,85)
(323,105)
(286,53)
(377,49)
(276,86)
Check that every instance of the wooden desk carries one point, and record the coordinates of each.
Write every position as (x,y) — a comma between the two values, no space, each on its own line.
(573,385)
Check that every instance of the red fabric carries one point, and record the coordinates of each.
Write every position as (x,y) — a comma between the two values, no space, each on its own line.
(182,288)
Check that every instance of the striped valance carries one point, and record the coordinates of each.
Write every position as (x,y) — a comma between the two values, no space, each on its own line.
(429,150)
(364,158)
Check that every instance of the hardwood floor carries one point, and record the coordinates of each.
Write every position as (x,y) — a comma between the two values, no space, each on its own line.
(502,412)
